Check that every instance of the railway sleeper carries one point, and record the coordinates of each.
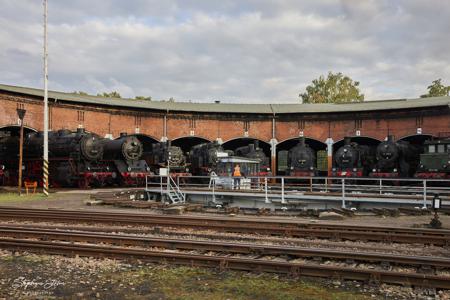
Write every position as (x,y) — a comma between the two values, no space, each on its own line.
(385,265)
(426,269)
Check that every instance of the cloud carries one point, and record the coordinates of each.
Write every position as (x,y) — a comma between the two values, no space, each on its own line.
(233,51)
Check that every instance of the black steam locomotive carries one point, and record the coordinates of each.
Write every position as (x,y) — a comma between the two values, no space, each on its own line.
(204,157)
(124,154)
(159,155)
(435,162)
(352,160)
(7,158)
(302,160)
(255,152)
(76,159)
(395,159)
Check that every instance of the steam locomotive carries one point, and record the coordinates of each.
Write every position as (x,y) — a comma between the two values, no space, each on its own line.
(395,159)
(77,159)
(255,152)
(163,152)
(124,155)
(302,160)
(204,157)
(352,160)
(435,162)
(2,174)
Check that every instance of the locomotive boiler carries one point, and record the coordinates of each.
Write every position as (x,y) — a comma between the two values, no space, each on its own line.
(302,160)
(352,160)
(124,154)
(255,152)
(395,159)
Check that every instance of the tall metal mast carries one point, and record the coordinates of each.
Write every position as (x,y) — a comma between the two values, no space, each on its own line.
(45,164)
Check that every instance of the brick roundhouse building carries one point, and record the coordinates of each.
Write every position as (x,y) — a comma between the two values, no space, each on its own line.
(276,126)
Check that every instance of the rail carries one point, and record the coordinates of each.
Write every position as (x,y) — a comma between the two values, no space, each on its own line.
(286,189)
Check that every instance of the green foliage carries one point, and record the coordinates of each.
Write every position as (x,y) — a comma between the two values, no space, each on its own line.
(336,88)
(143,98)
(80,93)
(113,94)
(437,89)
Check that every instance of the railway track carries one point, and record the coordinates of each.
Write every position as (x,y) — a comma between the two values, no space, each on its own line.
(222,247)
(273,226)
(227,263)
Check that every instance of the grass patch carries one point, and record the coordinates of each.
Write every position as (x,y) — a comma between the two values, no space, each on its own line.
(14,197)
(197,284)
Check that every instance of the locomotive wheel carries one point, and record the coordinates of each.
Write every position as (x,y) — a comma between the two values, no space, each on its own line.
(83,183)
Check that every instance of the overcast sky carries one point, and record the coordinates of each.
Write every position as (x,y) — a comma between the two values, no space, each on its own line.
(233,51)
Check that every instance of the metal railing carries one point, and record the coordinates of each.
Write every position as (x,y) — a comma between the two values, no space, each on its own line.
(284,189)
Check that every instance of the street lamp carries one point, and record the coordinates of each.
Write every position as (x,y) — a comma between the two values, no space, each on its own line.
(21,114)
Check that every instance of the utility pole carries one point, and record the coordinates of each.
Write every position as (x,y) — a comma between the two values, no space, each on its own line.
(45,164)
(21,114)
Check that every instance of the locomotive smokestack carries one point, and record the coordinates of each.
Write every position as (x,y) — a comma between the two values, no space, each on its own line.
(122,134)
(80,130)
(347,140)
(302,141)
(256,143)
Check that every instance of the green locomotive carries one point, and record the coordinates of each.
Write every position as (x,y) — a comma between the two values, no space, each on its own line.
(435,162)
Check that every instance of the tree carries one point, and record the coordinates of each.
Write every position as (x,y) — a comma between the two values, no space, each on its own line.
(80,93)
(113,94)
(336,88)
(143,98)
(437,89)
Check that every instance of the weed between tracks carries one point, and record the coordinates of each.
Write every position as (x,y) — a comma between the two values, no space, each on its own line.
(55,277)
(5,198)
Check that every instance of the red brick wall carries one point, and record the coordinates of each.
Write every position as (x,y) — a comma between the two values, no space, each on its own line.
(108,120)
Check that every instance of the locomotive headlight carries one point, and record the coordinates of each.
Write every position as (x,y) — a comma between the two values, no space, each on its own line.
(148,169)
(129,169)
(374,170)
(88,168)
(354,169)
(107,168)
(421,166)
(395,170)
(3,167)
(334,169)
(444,166)
(292,168)
(311,168)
